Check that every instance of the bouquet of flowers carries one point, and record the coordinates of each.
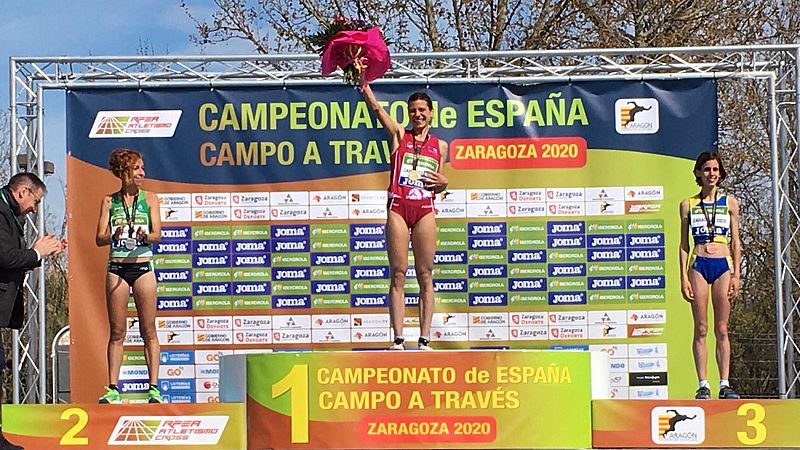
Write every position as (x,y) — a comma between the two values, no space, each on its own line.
(354,46)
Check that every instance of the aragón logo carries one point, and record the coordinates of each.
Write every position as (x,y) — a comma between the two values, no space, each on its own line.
(166,430)
(678,425)
(636,116)
(133,124)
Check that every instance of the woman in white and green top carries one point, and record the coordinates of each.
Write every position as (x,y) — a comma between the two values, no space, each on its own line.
(130,222)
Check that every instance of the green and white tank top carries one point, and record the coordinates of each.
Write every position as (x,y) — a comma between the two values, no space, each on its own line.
(139,216)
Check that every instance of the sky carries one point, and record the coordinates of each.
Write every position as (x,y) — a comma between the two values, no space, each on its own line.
(92,28)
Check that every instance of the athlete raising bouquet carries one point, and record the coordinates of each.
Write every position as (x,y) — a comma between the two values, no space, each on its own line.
(415,178)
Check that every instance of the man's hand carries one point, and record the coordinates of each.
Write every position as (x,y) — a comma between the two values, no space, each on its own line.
(48,245)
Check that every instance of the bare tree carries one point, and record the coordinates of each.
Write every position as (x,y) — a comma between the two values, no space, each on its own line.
(274,26)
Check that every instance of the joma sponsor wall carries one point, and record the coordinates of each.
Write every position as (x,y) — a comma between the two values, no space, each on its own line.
(559,228)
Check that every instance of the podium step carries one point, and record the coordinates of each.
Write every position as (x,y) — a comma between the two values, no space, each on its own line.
(695,423)
(219,426)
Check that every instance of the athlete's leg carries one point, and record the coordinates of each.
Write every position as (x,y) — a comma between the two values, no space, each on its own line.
(700,316)
(144,294)
(722,311)
(117,294)
(397,247)
(423,243)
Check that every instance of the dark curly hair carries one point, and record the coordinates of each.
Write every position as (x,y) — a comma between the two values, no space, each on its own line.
(121,162)
(705,157)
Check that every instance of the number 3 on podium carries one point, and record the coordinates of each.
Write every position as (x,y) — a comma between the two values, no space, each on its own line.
(756,424)
(296,381)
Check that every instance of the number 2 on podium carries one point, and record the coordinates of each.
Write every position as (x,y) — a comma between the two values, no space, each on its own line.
(71,436)
(296,381)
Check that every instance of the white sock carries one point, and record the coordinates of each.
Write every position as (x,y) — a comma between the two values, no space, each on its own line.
(703,383)
(723,383)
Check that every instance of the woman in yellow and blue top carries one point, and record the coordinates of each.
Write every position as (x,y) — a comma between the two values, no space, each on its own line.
(711,220)
(130,222)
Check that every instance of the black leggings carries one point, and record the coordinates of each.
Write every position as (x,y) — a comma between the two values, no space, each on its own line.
(130,272)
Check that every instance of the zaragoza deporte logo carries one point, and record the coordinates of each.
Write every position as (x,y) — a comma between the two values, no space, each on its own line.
(678,425)
(636,116)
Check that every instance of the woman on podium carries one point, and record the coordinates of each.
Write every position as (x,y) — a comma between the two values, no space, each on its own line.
(130,222)
(415,179)
(710,219)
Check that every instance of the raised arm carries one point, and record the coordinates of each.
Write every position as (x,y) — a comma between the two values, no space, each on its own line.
(390,125)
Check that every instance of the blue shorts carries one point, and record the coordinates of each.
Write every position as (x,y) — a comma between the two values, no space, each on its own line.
(711,268)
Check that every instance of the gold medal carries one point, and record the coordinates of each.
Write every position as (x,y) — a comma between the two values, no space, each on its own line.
(413,175)
(710,248)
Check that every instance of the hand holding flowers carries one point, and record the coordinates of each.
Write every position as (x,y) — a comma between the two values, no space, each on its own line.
(354,46)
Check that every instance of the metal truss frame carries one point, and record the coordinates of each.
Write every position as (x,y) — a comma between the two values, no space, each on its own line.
(776,65)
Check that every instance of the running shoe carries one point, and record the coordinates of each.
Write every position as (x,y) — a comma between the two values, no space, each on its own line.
(398,344)
(424,344)
(727,393)
(154,395)
(111,396)
(703,393)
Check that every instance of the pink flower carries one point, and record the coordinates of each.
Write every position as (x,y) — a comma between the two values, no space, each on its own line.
(365,50)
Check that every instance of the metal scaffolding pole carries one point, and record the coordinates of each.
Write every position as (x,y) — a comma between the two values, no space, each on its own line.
(778,65)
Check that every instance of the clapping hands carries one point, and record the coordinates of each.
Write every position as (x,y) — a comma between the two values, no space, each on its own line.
(49,245)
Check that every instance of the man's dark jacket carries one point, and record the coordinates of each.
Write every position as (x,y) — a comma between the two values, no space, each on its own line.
(15,260)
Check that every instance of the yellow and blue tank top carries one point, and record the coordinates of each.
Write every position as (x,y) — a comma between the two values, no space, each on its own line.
(118,219)
(704,215)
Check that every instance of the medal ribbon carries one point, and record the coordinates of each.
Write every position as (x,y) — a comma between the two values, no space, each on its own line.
(417,150)
(710,222)
(130,217)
